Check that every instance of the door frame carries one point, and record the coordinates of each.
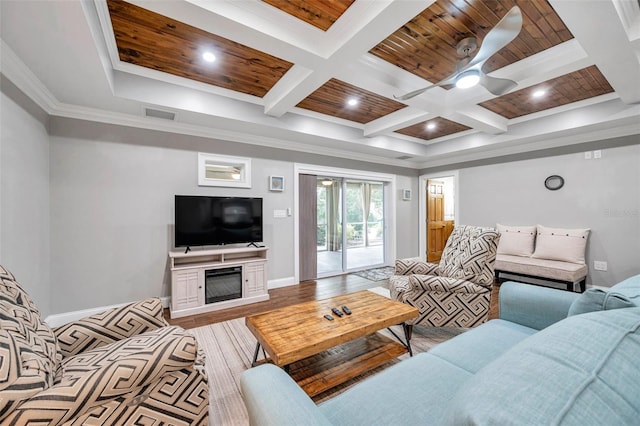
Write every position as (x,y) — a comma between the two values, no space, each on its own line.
(389,208)
(422,196)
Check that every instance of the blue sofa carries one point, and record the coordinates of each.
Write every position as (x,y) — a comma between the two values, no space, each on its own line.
(553,357)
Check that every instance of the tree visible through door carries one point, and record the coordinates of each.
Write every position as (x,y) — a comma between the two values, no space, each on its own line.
(438,229)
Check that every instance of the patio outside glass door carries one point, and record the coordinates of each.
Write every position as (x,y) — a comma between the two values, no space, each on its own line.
(350,220)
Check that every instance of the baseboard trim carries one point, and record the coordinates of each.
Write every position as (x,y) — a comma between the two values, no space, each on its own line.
(58,320)
(281,282)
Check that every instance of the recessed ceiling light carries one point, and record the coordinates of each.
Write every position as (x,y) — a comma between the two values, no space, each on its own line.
(352,102)
(209,57)
(431,126)
(539,93)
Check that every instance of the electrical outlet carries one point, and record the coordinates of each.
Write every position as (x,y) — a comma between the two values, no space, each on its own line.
(597,154)
(599,265)
(587,155)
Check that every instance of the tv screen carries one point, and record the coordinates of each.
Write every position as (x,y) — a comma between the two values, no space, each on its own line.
(204,221)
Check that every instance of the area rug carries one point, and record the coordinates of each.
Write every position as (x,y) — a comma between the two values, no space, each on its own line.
(229,347)
(376,274)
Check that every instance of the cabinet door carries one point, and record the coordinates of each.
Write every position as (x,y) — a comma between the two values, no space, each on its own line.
(187,290)
(255,282)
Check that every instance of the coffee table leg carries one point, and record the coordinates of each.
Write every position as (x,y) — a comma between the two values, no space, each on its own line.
(407,337)
(255,355)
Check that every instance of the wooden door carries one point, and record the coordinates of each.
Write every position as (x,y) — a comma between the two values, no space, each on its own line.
(438,230)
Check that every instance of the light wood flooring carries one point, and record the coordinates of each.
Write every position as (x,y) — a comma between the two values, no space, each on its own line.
(305,291)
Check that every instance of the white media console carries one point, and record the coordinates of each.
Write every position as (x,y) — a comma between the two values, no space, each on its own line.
(209,280)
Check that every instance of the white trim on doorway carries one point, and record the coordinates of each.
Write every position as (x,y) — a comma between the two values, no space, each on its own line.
(390,204)
(422,196)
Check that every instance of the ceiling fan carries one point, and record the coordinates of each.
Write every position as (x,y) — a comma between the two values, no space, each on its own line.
(470,72)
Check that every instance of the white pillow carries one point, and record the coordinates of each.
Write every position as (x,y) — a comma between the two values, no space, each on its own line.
(516,240)
(567,245)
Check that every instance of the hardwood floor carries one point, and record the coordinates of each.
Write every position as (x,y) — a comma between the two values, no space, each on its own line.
(285,296)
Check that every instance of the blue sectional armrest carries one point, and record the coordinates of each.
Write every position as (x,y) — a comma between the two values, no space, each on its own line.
(273,398)
(534,306)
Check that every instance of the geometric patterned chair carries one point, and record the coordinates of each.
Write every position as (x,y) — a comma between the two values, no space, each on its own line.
(455,292)
(124,366)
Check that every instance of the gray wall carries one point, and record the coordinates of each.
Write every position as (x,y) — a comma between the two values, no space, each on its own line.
(407,218)
(112,192)
(24,193)
(600,194)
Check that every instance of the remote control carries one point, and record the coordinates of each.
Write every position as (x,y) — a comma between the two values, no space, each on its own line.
(346,310)
(337,312)
(329,317)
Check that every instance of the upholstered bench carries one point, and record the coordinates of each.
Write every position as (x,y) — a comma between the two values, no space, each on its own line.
(546,255)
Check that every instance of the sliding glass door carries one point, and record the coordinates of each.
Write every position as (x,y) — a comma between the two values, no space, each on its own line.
(350,225)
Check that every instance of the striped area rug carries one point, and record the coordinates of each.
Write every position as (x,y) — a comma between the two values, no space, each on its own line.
(229,350)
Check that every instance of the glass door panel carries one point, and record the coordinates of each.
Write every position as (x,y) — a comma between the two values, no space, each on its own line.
(329,232)
(364,213)
(350,225)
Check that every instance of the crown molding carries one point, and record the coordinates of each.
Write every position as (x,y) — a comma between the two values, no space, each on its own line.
(15,70)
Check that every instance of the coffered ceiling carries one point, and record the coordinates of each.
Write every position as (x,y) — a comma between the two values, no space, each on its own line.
(324,76)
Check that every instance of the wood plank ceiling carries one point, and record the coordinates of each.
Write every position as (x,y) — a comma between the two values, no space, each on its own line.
(154,41)
(319,13)
(424,46)
(334,96)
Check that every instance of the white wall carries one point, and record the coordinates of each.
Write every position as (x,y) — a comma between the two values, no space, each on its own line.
(24,194)
(601,194)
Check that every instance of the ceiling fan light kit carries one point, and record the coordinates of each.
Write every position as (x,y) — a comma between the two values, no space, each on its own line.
(467,79)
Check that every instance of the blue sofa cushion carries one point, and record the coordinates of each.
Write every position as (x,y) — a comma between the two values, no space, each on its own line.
(595,299)
(481,345)
(582,370)
(414,391)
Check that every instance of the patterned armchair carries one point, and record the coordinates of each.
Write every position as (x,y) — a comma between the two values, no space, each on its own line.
(124,366)
(456,292)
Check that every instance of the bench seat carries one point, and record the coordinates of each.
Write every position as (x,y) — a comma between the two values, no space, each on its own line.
(567,273)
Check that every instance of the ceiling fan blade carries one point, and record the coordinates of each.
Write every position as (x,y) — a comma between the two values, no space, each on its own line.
(448,80)
(414,93)
(497,86)
(502,34)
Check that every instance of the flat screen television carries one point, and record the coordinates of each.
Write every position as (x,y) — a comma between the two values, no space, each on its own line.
(205,221)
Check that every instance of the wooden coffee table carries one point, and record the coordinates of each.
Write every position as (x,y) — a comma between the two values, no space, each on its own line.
(320,354)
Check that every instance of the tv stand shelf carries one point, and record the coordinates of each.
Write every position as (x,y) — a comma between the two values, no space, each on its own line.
(190,285)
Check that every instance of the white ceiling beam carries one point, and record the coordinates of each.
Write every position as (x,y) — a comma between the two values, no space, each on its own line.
(610,49)
(479,118)
(358,31)
(398,120)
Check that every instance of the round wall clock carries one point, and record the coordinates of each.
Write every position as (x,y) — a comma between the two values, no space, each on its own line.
(554,182)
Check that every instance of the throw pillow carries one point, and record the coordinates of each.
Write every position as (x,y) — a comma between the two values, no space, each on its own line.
(566,245)
(595,299)
(516,240)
